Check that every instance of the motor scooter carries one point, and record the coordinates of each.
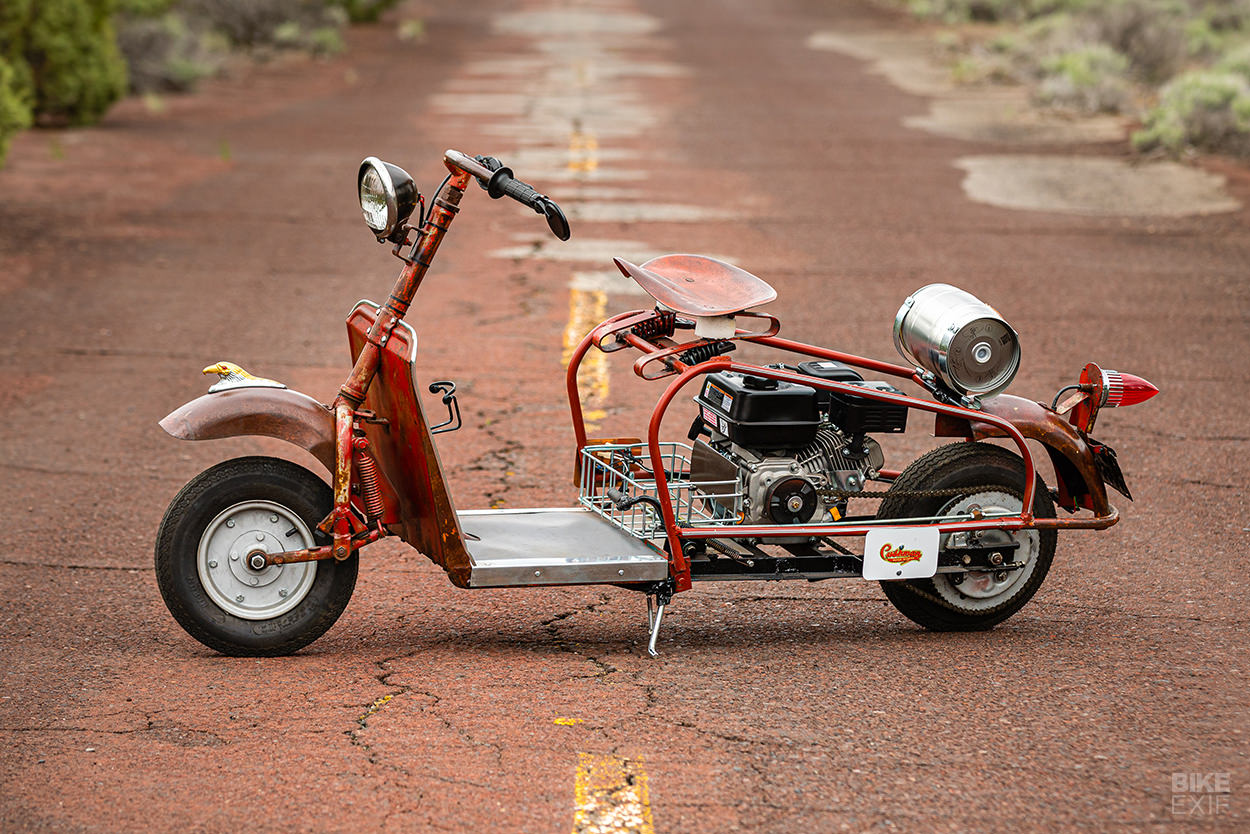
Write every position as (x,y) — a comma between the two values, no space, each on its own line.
(259,556)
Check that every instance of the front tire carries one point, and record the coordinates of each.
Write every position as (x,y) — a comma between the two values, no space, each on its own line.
(994,478)
(220,516)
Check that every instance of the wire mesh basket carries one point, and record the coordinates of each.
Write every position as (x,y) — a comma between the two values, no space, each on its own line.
(618,483)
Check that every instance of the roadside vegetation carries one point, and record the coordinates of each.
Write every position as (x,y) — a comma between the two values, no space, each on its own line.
(65,62)
(1181,68)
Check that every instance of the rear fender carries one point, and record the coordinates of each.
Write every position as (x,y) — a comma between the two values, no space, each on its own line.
(1079,480)
(268,412)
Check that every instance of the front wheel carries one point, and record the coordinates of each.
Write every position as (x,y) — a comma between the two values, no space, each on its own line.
(981,476)
(222,515)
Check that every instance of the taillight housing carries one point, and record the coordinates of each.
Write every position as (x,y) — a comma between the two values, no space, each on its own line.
(1103,389)
(1120,389)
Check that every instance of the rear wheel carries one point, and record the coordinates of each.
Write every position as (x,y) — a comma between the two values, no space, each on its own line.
(224,514)
(994,479)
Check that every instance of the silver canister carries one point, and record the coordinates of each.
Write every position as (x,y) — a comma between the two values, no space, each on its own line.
(959,338)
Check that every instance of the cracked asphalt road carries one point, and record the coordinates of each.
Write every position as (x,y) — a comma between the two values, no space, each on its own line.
(225,227)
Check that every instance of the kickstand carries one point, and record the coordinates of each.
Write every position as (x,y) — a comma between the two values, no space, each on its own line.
(655,617)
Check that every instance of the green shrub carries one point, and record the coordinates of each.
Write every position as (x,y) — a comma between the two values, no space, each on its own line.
(958,11)
(364,11)
(268,24)
(64,57)
(1089,79)
(144,8)
(1236,61)
(14,111)
(165,54)
(1201,109)
(1150,33)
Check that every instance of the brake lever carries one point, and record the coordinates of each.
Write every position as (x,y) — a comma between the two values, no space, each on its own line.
(556,221)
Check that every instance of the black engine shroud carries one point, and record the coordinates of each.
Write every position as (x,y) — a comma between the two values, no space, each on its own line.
(760,413)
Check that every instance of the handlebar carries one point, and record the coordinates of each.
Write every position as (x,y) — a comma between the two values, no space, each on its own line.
(498,181)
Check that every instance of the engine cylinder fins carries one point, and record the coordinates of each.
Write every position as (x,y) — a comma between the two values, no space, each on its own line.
(832,452)
(791,501)
(958,338)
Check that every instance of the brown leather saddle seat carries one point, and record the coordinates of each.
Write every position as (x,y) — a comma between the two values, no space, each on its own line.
(698,285)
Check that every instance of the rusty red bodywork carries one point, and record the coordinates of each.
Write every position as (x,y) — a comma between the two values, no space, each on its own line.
(376,442)
(1079,483)
(405,452)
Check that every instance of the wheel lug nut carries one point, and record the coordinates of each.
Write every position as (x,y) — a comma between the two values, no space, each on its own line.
(282,592)
(234,557)
(239,598)
(229,522)
(212,563)
(273,519)
(260,537)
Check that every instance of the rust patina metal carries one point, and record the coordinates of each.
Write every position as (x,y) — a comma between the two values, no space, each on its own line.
(1079,482)
(268,412)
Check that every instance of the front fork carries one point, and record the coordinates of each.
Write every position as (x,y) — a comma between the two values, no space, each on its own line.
(343,524)
(351,453)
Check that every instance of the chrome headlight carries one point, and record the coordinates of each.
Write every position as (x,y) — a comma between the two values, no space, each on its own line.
(387,197)
(959,339)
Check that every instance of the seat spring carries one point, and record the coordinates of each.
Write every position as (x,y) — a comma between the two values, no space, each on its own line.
(661,325)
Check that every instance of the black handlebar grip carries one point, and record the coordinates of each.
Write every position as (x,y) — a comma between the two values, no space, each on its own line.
(503,184)
(522,192)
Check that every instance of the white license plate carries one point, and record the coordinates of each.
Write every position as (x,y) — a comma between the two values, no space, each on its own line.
(901,553)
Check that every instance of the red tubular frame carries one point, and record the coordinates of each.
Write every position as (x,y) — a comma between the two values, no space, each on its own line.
(620,326)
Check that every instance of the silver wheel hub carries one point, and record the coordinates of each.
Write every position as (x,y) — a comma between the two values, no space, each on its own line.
(227,552)
(982,590)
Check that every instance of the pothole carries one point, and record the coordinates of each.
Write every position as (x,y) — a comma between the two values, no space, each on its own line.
(903,58)
(1006,116)
(1094,186)
(979,114)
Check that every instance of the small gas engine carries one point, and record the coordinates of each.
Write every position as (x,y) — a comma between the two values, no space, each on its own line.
(776,452)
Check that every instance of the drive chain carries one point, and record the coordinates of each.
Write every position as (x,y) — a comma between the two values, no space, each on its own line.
(921,592)
(828,492)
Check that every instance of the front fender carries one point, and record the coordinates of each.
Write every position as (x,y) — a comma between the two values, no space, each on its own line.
(1080,482)
(269,412)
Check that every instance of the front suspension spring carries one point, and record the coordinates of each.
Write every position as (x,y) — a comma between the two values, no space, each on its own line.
(370,494)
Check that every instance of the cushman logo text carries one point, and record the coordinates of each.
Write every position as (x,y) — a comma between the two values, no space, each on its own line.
(899,556)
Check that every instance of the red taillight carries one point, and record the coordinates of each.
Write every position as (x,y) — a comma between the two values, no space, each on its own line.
(1121,389)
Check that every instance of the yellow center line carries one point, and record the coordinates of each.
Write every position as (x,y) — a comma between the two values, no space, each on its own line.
(587,307)
(583,151)
(610,796)
(374,707)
